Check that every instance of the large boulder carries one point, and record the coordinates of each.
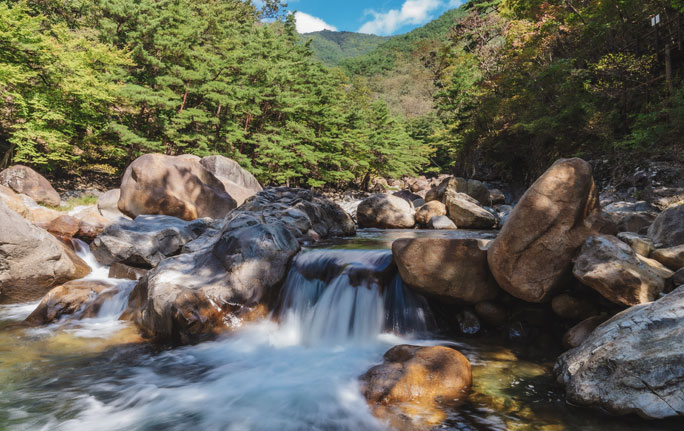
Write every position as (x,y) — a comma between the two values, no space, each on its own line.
(631,216)
(431,209)
(472,188)
(31,260)
(108,205)
(668,228)
(417,381)
(454,269)
(224,278)
(175,186)
(25,180)
(385,212)
(672,257)
(145,241)
(633,363)
(239,183)
(532,256)
(466,212)
(614,270)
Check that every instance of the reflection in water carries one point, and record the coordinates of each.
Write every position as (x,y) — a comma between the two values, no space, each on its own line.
(341,310)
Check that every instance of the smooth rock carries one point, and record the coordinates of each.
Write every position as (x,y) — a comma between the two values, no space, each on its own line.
(532,256)
(677,279)
(25,180)
(385,212)
(431,209)
(238,182)
(415,379)
(614,270)
(672,257)
(632,363)
(108,205)
(92,223)
(145,241)
(576,335)
(466,213)
(441,223)
(155,184)
(668,228)
(42,216)
(64,226)
(31,260)
(450,268)
(66,299)
(641,244)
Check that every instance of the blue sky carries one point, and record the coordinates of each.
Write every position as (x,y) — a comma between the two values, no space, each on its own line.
(381,17)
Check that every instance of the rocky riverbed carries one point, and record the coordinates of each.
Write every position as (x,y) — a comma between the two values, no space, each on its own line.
(193,251)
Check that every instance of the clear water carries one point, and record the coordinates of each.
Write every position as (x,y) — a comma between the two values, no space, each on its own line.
(295,372)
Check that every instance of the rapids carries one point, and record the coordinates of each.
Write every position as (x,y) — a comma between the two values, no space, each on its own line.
(341,307)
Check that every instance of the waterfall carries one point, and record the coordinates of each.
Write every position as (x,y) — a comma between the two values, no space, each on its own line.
(337,295)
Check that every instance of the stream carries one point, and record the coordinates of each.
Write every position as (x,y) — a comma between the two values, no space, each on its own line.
(342,306)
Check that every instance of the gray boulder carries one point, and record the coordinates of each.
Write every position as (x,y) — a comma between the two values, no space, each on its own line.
(239,183)
(31,260)
(145,241)
(441,223)
(108,205)
(668,228)
(385,212)
(633,363)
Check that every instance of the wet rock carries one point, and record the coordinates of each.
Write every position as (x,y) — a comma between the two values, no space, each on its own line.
(238,182)
(450,268)
(417,381)
(25,180)
(668,228)
(441,223)
(632,363)
(472,188)
(672,257)
(91,223)
(145,241)
(611,267)
(385,212)
(532,256)
(573,308)
(108,205)
(491,313)
(67,299)
(31,260)
(431,209)
(576,335)
(228,276)
(641,244)
(466,213)
(174,186)
(126,272)
(468,323)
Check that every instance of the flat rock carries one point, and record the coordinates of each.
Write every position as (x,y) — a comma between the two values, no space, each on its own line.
(632,363)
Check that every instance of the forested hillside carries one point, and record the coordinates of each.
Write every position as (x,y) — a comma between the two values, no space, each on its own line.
(333,47)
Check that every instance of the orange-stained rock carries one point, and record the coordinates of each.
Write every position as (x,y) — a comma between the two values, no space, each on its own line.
(64,226)
(65,300)
(417,381)
(532,256)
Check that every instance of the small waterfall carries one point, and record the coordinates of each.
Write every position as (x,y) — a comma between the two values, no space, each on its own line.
(336,295)
(82,250)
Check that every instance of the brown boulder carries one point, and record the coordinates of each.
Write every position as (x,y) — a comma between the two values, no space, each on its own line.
(66,299)
(239,183)
(472,188)
(642,245)
(25,180)
(41,216)
(614,270)
(580,332)
(126,272)
(672,257)
(64,226)
(466,212)
(385,212)
(415,379)
(156,184)
(532,256)
(431,209)
(497,197)
(451,268)
(31,260)
(572,308)
(491,312)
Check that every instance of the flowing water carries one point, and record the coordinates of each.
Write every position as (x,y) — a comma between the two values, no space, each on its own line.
(342,306)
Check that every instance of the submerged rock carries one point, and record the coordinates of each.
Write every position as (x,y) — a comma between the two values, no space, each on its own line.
(175,186)
(633,363)
(532,256)
(66,299)
(25,180)
(385,212)
(227,276)
(455,269)
(31,260)
(145,241)
(614,270)
(417,381)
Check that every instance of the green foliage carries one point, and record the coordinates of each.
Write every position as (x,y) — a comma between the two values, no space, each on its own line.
(332,47)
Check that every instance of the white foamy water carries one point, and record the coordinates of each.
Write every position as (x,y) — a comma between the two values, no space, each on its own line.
(98,271)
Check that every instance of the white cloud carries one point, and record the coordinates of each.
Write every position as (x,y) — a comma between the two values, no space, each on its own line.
(307,23)
(413,12)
